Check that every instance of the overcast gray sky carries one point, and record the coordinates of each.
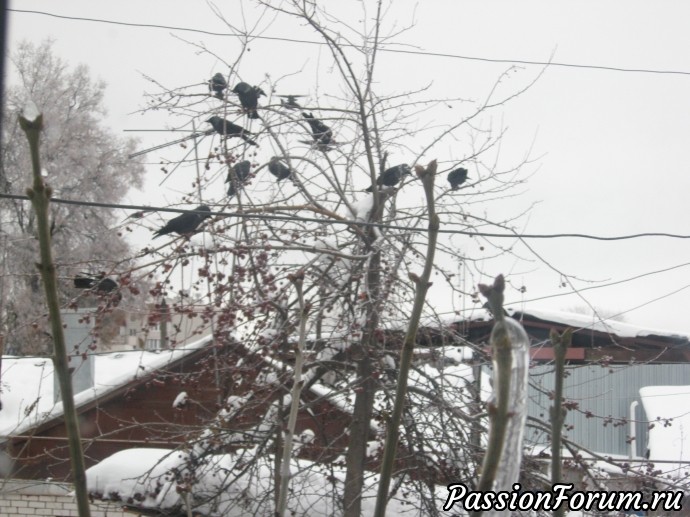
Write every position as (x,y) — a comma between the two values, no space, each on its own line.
(609,146)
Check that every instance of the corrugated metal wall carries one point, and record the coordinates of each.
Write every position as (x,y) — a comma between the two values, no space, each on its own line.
(604,392)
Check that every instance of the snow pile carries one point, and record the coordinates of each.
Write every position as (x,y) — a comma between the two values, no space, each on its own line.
(238,484)
(668,407)
(326,244)
(30,111)
(180,400)
(137,477)
(363,207)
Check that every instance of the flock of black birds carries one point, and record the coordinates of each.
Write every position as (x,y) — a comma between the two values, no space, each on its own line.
(248,96)
(240,172)
(322,135)
(183,224)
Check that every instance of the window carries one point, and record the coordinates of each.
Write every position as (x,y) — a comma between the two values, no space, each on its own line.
(153,344)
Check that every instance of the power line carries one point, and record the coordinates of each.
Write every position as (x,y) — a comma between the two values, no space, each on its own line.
(609,284)
(662,297)
(395,51)
(350,222)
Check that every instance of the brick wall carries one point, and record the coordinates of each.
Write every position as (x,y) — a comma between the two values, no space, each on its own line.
(30,498)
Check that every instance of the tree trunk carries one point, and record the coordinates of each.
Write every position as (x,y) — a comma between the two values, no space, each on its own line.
(364,397)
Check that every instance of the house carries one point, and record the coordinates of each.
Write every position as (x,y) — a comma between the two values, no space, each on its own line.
(599,363)
(140,399)
(127,404)
(232,471)
(159,399)
(152,326)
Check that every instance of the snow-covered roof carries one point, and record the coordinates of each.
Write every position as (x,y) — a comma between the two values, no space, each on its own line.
(584,321)
(27,385)
(669,438)
(572,319)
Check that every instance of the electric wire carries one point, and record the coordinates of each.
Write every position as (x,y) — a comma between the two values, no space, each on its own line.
(351,222)
(394,51)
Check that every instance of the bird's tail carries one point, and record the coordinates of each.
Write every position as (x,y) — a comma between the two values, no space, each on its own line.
(83,282)
(248,139)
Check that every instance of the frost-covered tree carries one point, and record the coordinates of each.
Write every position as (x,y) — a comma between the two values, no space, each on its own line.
(83,160)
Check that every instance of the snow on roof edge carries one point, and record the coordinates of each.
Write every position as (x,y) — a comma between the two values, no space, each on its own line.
(584,321)
(41,417)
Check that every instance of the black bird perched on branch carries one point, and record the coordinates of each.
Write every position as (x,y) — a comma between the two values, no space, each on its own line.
(241,170)
(185,223)
(290,102)
(457,177)
(227,128)
(322,134)
(101,285)
(99,282)
(392,176)
(278,169)
(218,84)
(249,97)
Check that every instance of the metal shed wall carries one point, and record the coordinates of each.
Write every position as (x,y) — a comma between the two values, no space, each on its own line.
(604,392)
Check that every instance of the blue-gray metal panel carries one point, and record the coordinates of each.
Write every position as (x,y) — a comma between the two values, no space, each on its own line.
(77,330)
(605,394)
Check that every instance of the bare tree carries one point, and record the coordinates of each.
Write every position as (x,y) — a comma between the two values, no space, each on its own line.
(82,160)
(328,194)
